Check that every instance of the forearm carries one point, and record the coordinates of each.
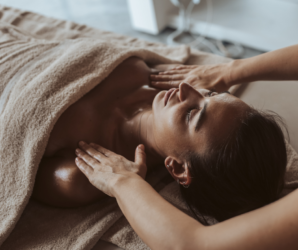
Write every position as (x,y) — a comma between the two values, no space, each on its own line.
(280,64)
(162,226)
(274,226)
(159,224)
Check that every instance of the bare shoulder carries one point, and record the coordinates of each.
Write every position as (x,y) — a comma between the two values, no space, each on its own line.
(134,68)
(60,183)
(135,62)
(131,73)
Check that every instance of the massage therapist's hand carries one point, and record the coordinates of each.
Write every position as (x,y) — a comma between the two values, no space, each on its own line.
(105,169)
(213,77)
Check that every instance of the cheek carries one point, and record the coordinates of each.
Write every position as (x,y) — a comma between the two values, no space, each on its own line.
(169,128)
(166,121)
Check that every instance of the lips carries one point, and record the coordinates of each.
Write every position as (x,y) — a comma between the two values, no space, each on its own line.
(168,95)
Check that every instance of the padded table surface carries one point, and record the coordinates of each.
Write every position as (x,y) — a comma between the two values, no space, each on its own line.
(278,96)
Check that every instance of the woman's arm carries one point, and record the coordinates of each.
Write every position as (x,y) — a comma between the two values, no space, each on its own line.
(280,64)
(162,226)
(158,223)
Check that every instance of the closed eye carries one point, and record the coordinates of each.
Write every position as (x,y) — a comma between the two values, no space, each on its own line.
(190,114)
(212,93)
(203,111)
(192,111)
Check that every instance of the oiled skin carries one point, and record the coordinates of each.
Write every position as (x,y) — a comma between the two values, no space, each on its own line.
(93,119)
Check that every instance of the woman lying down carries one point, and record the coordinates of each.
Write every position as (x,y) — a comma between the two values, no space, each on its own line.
(228,157)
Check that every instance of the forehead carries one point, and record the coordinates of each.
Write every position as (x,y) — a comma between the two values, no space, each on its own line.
(226,105)
(223,114)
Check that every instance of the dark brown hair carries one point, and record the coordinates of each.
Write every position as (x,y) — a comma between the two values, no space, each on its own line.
(243,173)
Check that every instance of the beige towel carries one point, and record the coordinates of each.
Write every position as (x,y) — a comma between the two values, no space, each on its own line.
(26,123)
(39,80)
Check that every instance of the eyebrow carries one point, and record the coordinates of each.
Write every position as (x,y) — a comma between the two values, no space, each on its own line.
(203,112)
(201,116)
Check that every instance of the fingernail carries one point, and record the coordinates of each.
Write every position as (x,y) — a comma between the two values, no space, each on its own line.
(141,147)
(81,143)
(77,151)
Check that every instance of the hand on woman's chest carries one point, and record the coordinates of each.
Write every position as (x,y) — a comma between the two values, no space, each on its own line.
(94,117)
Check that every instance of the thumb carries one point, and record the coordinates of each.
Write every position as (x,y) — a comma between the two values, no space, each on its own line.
(140,155)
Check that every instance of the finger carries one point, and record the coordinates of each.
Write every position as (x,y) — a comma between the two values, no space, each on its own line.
(155,71)
(167,77)
(165,85)
(87,158)
(186,67)
(91,151)
(101,149)
(140,155)
(85,168)
(174,72)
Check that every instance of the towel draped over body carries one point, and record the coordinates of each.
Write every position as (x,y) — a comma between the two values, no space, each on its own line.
(46,65)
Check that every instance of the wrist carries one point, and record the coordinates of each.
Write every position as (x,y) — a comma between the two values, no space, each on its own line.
(233,73)
(124,182)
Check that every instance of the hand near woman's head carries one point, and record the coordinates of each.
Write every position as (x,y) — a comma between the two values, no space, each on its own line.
(212,77)
(104,168)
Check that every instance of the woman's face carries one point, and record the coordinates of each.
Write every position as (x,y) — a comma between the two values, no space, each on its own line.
(190,120)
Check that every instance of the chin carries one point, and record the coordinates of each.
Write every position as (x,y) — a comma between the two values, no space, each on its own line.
(158,101)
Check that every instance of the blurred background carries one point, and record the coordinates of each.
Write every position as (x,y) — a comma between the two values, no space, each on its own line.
(233,28)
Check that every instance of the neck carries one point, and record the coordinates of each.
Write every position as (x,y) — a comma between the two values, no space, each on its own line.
(139,130)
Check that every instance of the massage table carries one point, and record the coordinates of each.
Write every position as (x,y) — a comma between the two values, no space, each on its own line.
(278,96)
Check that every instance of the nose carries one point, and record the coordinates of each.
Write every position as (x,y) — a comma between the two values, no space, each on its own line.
(185,91)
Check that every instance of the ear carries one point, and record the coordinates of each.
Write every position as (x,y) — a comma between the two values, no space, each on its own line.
(179,170)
